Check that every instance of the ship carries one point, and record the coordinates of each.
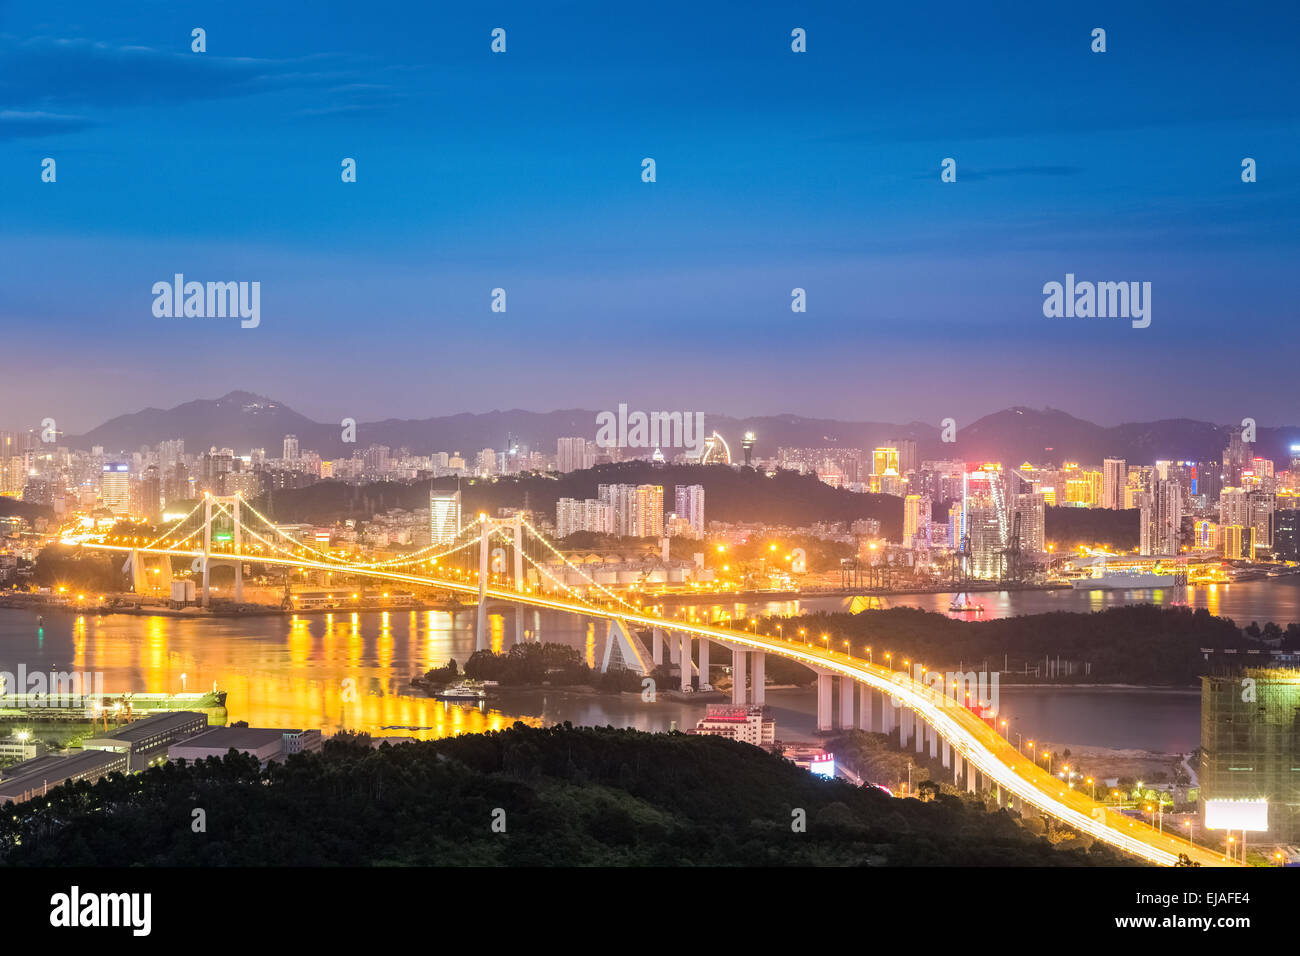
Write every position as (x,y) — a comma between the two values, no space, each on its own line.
(94,707)
(1130,580)
(962,604)
(465,690)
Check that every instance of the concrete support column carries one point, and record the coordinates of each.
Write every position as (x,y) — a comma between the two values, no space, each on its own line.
(956,769)
(674,657)
(239,549)
(934,743)
(920,732)
(758,695)
(686,661)
(865,703)
(888,714)
(738,695)
(704,662)
(846,703)
(824,702)
(520,611)
(947,753)
(480,622)
(207,544)
(657,646)
(971,774)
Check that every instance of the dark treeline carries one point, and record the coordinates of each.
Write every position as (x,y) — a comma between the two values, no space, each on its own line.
(730,494)
(570,796)
(526,665)
(1141,644)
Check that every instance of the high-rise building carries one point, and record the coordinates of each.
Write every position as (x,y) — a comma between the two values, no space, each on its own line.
(689,506)
(290,448)
(1235,458)
(444,516)
(1114,475)
(570,454)
(1249,743)
(1031,510)
(884,460)
(115,487)
(1161,519)
(487,462)
(638,510)
(985,520)
(916,521)
(591,514)
(909,458)
(1233,540)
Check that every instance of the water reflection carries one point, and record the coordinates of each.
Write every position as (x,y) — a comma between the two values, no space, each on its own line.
(353,670)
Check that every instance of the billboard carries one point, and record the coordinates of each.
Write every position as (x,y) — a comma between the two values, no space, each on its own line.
(823,765)
(1236,815)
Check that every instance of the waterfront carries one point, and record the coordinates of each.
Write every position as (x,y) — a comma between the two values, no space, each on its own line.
(352,671)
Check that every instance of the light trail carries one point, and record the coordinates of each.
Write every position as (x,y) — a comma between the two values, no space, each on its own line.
(968,735)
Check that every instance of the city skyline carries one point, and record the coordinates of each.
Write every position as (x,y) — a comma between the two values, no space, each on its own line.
(522,171)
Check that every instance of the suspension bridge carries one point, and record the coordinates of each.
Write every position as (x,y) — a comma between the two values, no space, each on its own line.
(923,714)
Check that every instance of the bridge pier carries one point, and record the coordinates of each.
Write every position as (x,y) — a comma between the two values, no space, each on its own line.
(704,663)
(972,778)
(846,703)
(519,623)
(207,544)
(866,700)
(956,769)
(823,701)
(920,732)
(738,690)
(674,650)
(658,646)
(758,679)
(947,753)
(887,714)
(239,549)
(480,622)
(685,656)
(934,743)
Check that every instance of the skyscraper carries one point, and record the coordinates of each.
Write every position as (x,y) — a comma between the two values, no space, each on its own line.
(444,516)
(1114,475)
(115,487)
(569,454)
(1161,518)
(290,448)
(916,521)
(689,505)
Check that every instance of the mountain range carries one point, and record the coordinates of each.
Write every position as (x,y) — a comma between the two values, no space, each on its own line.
(243,420)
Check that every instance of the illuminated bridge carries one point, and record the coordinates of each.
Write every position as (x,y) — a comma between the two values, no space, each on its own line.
(872,697)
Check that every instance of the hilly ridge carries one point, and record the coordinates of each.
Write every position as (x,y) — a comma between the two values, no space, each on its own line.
(244,420)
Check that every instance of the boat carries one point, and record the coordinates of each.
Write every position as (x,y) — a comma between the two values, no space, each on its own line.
(1124,580)
(464,690)
(962,604)
(95,706)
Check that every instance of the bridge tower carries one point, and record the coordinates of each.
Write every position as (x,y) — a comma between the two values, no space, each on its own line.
(233,502)
(487,526)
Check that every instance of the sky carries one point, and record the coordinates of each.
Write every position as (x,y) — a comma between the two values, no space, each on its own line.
(775,170)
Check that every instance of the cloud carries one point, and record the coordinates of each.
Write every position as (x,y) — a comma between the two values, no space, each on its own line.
(968,174)
(17,124)
(84,74)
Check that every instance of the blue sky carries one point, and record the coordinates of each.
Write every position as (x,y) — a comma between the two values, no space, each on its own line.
(775,170)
